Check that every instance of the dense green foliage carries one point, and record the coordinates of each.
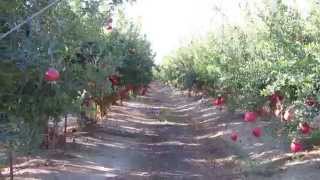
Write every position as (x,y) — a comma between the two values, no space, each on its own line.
(277,52)
(71,37)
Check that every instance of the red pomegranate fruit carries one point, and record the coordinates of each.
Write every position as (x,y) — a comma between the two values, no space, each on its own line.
(215,102)
(234,136)
(257,132)
(52,75)
(250,116)
(304,128)
(296,146)
(219,101)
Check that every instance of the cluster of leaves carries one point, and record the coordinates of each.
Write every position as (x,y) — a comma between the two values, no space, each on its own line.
(277,52)
(71,38)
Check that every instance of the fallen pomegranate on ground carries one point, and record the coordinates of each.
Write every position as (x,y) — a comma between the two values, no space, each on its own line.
(234,136)
(219,101)
(296,146)
(52,75)
(257,132)
(250,116)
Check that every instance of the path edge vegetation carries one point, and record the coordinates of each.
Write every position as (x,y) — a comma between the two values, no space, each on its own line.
(268,68)
(78,57)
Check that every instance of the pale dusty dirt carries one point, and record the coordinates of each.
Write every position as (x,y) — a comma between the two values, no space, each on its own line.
(188,140)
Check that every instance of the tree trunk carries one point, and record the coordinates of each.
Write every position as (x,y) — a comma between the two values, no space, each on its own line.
(11,163)
(65,124)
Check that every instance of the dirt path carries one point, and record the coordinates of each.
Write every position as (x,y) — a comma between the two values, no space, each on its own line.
(188,140)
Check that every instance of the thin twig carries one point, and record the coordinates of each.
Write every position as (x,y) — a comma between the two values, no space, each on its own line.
(28,19)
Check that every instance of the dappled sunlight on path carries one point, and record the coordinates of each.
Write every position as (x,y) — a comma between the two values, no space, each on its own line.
(164,135)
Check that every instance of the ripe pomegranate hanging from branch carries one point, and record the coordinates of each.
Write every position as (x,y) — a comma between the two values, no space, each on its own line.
(52,75)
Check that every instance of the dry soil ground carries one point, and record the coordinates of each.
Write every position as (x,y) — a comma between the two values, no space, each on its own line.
(167,136)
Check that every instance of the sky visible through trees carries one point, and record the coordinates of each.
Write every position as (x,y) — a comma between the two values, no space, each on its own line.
(168,23)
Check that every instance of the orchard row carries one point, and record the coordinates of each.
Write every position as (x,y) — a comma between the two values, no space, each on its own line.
(269,67)
(77,55)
